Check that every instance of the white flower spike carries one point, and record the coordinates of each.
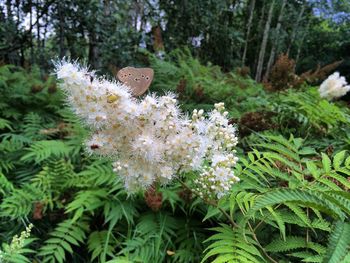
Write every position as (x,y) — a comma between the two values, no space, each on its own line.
(150,140)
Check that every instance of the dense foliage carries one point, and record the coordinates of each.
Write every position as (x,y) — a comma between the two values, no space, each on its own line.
(292,204)
(228,33)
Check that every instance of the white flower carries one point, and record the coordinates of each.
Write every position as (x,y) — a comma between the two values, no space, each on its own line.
(334,87)
(151,140)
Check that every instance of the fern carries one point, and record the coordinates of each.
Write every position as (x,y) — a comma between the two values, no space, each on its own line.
(98,173)
(292,243)
(5,185)
(52,179)
(339,243)
(32,125)
(65,235)
(5,124)
(87,200)
(43,150)
(308,198)
(230,245)
(19,202)
(152,237)
(96,244)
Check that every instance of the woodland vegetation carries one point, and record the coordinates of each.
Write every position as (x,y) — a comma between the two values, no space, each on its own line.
(265,59)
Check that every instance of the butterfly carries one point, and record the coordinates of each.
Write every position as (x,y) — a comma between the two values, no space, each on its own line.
(137,79)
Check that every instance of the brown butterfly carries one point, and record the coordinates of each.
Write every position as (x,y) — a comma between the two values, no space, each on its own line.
(137,79)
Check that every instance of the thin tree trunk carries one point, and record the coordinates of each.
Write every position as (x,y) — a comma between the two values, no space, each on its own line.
(8,9)
(45,32)
(264,43)
(136,13)
(158,44)
(42,52)
(93,52)
(295,29)
(301,43)
(30,32)
(142,16)
(275,42)
(11,56)
(107,7)
(61,34)
(38,23)
(250,20)
(260,29)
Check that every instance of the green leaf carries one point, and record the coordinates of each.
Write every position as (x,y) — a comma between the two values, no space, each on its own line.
(327,164)
(339,243)
(339,159)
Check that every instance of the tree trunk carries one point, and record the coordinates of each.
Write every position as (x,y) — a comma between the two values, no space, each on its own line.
(301,43)
(8,9)
(275,42)
(158,44)
(107,7)
(250,20)
(38,23)
(93,52)
(295,29)
(61,33)
(264,43)
(30,32)
(260,29)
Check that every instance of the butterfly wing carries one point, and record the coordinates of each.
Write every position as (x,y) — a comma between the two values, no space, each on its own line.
(137,79)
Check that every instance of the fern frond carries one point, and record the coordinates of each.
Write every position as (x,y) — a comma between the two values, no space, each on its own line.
(304,197)
(86,200)
(5,185)
(5,124)
(99,173)
(32,125)
(19,202)
(230,245)
(306,256)
(43,150)
(339,243)
(96,244)
(153,235)
(52,179)
(65,235)
(292,243)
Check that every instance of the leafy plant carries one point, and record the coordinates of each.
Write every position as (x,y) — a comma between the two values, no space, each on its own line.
(291,205)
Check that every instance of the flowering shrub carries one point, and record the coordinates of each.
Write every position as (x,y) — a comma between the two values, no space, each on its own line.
(14,250)
(334,87)
(151,140)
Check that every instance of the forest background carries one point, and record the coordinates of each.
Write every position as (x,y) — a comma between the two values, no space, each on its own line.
(236,33)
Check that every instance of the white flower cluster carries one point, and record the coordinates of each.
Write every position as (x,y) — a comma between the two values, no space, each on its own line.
(150,139)
(16,245)
(334,87)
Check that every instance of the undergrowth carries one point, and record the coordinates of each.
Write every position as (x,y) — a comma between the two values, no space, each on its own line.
(292,204)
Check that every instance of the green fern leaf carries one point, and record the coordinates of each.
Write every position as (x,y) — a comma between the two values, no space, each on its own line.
(304,197)
(43,150)
(65,235)
(96,244)
(292,243)
(339,243)
(339,159)
(230,244)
